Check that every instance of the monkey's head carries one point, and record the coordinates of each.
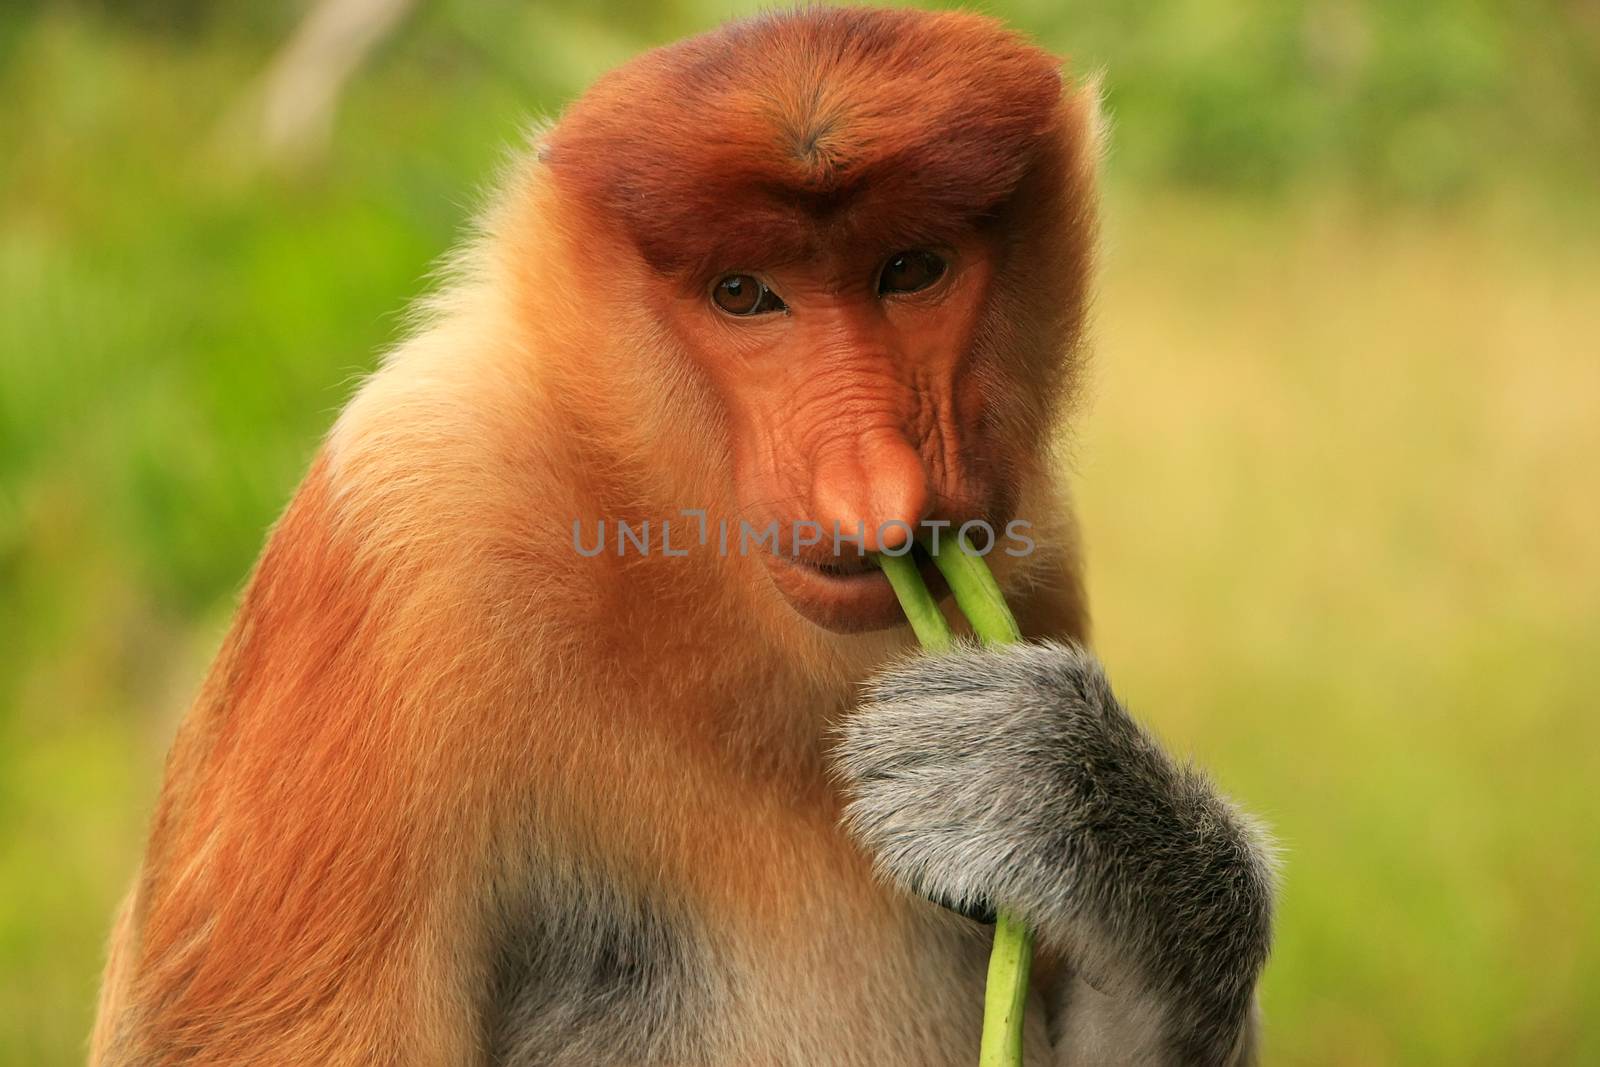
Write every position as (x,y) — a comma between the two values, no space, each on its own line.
(866,233)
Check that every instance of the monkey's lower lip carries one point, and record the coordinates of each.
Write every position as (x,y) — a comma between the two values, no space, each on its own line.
(849,597)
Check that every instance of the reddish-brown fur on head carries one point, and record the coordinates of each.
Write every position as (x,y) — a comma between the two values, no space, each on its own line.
(759,140)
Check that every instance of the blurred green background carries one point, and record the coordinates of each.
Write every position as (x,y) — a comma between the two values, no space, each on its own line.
(1339,476)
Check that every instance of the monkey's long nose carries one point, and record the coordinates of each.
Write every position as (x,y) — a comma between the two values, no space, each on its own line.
(877,491)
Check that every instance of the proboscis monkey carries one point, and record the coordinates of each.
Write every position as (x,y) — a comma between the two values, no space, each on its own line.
(463,789)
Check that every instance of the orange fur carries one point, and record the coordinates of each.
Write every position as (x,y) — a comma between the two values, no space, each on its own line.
(427,697)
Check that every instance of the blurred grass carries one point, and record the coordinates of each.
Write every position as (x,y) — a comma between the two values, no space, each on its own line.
(1339,494)
(1337,473)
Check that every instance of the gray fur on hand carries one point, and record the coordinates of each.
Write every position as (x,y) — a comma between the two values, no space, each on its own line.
(1012,777)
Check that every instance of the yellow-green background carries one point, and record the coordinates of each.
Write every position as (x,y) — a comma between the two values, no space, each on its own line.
(1340,475)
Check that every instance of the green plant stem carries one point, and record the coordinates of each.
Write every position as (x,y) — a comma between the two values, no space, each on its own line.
(1005,994)
(977,594)
(979,597)
(922,611)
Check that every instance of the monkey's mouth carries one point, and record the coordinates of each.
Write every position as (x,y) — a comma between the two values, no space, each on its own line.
(840,566)
(847,593)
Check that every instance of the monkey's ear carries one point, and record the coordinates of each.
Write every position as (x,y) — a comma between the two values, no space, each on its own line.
(1084,114)
(537,138)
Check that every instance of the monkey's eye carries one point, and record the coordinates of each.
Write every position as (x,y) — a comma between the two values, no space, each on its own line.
(744,295)
(906,272)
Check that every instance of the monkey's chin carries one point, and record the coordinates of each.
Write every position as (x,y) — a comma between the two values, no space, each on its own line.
(850,602)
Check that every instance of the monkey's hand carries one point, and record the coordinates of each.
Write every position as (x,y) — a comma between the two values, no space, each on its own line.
(1011,777)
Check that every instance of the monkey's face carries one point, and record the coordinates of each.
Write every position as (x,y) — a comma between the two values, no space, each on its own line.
(854,413)
(865,227)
